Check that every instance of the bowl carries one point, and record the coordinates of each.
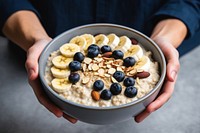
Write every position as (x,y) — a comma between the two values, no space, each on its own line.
(102,115)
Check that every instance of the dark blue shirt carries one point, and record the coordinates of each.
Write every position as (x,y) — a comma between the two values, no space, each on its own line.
(60,15)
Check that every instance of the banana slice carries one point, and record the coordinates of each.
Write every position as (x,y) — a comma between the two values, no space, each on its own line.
(113,40)
(79,40)
(89,39)
(61,61)
(101,40)
(143,64)
(69,49)
(60,85)
(124,44)
(134,51)
(60,73)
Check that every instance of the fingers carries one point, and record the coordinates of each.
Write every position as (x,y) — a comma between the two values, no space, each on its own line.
(33,55)
(173,65)
(172,57)
(69,118)
(43,99)
(166,93)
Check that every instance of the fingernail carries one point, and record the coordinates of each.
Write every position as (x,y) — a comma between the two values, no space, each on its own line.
(173,74)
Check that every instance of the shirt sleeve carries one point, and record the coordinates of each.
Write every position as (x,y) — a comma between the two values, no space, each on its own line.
(8,7)
(188,11)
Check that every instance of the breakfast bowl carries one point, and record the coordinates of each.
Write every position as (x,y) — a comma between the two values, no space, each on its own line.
(105,114)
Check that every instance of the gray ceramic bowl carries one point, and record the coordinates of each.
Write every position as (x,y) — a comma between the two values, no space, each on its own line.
(102,115)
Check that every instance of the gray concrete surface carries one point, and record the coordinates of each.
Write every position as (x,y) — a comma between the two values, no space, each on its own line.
(20,111)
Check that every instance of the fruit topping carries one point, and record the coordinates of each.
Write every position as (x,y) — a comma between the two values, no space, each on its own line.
(119,76)
(130,92)
(94,46)
(79,57)
(105,49)
(115,88)
(106,94)
(93,51)
(74,66)
(74,78)
(117,54)
(129,61)
(98,85)
(129,81)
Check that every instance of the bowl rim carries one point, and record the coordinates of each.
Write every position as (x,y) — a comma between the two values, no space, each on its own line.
(161,80)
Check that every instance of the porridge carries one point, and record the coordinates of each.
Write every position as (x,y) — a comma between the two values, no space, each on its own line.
(102,70)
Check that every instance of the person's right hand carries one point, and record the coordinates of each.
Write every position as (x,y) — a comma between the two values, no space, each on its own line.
(32,68)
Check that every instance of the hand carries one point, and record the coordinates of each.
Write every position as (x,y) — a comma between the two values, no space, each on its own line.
(33,54)
(172,58)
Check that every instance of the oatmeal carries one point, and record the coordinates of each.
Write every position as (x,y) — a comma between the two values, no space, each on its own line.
(105,70)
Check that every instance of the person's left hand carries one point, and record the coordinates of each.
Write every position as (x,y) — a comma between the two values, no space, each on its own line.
(172,58)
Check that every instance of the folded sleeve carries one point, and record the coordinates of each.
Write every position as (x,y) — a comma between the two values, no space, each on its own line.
(8,7)
(188,11)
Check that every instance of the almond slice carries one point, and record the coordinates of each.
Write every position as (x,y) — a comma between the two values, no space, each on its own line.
(95,67)
(85,80)
(111,71)
(90,66)
(113,79)
(101,72)
(106,75)
(84,67)
(87,60)
(119,68)
(108,66)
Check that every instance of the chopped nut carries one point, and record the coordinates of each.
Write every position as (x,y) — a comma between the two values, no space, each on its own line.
(111,71)
(98,59)
(106,75)
(113,79)
(108,66)
(101,72)
(101,64)
(87,60)
(85,80)
(95,95)
(119,68)
(107,54)
(96,73)
(133,72)
(95,67)
(90,66)
(84,67)
(140,70)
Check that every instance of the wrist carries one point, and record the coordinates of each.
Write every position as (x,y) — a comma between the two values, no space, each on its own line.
(172,30)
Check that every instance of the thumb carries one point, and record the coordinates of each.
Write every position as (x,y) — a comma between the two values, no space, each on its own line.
(33,55)
(172,57)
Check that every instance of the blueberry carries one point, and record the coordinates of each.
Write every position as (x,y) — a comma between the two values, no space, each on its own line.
(129,81)
(106,94)
(116,88)
(74,78)
(98,85)
(74,66)
(105,49)
(117,54)
(129,61)
(119,76)
(93,53)
(94,46)
(130,91)
(79,57)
